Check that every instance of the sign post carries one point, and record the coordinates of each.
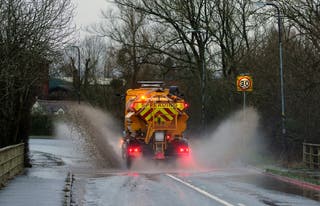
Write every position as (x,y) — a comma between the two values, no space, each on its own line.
(244,84)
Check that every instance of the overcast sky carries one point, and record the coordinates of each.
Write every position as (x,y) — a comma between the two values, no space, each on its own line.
(89,11)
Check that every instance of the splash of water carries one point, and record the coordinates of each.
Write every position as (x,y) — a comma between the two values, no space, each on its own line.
(101,133)
(233,141)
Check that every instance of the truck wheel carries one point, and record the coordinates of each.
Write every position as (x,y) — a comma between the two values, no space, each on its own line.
(128,162)
(123,153)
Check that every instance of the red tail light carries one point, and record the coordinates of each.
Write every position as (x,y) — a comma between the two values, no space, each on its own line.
(186,105)
(183,150)
(134,151)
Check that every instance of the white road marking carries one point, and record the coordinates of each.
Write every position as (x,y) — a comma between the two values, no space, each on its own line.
(240,204)
(201,191)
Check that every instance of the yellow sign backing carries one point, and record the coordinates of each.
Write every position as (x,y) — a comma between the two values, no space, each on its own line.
(244,83)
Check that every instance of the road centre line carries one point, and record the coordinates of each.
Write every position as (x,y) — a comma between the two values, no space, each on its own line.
(203,192)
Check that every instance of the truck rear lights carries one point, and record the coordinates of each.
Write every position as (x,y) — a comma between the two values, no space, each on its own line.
(186,105)
(183,150)
(134,151)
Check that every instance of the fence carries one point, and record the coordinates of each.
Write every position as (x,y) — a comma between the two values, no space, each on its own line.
(311,155)
(11,162)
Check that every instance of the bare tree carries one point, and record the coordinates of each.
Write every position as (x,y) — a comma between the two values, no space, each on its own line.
(305,15)
(110,67)
(201,27)
(31,33)
(127,29)
(229,29)
(187,22)
(93,51)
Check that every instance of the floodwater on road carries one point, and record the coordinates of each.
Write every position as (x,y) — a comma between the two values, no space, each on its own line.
(270,183)
(235,186)
(149,184)
(89,148)
(100,178)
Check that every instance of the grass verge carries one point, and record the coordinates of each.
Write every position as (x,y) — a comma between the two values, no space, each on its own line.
(303,175)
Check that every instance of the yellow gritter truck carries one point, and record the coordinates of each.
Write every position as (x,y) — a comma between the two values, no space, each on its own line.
(155,119)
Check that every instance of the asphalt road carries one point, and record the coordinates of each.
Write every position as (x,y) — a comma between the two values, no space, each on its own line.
(151,184)
(44,184)
(224,187)
(147,184)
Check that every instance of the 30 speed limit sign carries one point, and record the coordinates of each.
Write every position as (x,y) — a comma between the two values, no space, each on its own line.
(244,83)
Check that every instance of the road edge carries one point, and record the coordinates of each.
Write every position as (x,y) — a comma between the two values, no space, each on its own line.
(293,181)
(297,182)
(68,189)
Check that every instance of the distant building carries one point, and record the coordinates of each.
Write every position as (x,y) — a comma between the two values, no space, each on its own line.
(96,81)
(60,89)
(63,88)
(43,107)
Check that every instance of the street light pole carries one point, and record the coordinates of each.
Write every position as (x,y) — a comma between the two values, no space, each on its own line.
(283,115)
(79,84)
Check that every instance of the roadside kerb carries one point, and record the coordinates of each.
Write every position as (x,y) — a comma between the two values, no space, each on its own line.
(68,189)
(287,179)
(294,181)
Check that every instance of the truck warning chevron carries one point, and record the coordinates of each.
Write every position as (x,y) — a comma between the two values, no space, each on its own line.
(155,119)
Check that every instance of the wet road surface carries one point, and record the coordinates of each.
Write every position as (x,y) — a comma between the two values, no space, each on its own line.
(227,187)
(95,185)
(155,185)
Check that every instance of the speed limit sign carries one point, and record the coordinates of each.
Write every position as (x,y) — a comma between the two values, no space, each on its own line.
(244,83)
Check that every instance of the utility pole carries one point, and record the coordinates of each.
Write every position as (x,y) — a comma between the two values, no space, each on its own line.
(283,114)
